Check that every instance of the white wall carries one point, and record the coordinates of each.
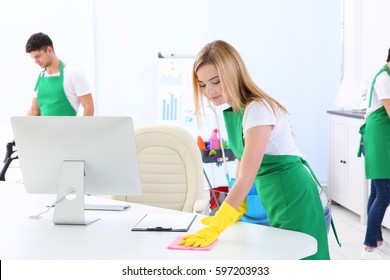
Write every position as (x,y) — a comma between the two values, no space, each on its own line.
(292,50)
(70,26)
(376,40)
(366,37)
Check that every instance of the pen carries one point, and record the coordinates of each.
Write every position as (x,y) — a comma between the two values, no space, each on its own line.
(159,229)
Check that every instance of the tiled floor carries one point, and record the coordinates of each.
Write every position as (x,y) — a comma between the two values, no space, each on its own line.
(351,234)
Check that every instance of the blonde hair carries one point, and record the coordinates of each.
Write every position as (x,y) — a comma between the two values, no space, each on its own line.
(235,79)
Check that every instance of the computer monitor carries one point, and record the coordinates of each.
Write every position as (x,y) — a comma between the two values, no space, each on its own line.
(74,156)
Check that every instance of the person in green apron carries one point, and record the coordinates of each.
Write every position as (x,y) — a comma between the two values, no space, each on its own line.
(59,89)
(260,136)
(375,145)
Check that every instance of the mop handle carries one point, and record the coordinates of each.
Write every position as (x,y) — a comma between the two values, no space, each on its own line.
(222,150)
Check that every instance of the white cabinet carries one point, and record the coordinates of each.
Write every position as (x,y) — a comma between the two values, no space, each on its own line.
(347,184)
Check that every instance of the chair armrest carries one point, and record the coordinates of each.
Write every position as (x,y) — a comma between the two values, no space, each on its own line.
(200,206)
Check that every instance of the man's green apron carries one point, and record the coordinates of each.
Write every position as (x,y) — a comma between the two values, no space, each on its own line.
(286,189)
(51,96)
(376,139)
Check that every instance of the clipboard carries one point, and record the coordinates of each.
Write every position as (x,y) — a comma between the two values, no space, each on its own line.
(172,222)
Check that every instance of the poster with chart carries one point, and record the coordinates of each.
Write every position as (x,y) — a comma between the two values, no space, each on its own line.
(175,91)
(175,104)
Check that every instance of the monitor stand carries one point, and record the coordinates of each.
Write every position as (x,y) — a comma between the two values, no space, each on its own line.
(69,208)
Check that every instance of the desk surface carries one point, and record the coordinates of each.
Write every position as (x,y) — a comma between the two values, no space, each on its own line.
(111,237)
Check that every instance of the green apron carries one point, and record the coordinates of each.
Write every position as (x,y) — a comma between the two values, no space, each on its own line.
(51,96)
(376,139)
(287,191)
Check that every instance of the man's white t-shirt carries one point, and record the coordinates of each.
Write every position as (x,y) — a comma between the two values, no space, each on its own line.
(381,91)
(281,140)
(75,85)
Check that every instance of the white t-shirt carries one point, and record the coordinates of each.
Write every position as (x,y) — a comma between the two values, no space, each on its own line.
(75,85)
(281,141)
(381,91)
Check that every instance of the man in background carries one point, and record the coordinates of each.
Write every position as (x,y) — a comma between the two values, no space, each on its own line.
(60,89)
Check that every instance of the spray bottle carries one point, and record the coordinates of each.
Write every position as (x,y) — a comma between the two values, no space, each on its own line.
(215,143)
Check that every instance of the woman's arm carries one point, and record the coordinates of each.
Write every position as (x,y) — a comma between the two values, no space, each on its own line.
(256,140)
(386,103)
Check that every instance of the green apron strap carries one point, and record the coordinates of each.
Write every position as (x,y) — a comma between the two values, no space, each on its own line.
(318,184)
(39,79)
(361,143)
(385,68)
(311,172)
(361,130)
(335,232)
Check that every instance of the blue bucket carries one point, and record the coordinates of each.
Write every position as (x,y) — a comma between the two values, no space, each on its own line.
(256,213)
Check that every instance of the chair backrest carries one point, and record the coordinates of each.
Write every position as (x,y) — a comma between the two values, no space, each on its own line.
(170,166)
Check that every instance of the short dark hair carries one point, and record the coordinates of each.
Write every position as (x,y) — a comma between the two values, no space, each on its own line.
(38,41)
(388,56)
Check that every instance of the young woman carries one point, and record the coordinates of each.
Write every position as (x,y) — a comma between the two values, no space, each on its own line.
(376,141)
(261,139)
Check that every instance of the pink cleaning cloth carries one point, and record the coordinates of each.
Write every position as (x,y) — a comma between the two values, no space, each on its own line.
(175,246)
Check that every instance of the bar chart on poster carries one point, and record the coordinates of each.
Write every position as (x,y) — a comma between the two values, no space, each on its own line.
(170,104)
(175,94)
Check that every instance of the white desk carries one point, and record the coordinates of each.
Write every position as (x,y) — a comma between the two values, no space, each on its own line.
(111,237)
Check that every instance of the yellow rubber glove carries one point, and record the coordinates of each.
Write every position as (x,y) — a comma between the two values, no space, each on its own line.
(242,209)
(225,216)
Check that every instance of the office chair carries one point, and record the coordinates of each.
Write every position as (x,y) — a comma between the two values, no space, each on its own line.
(171,169)
(8,159)
(14,170)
